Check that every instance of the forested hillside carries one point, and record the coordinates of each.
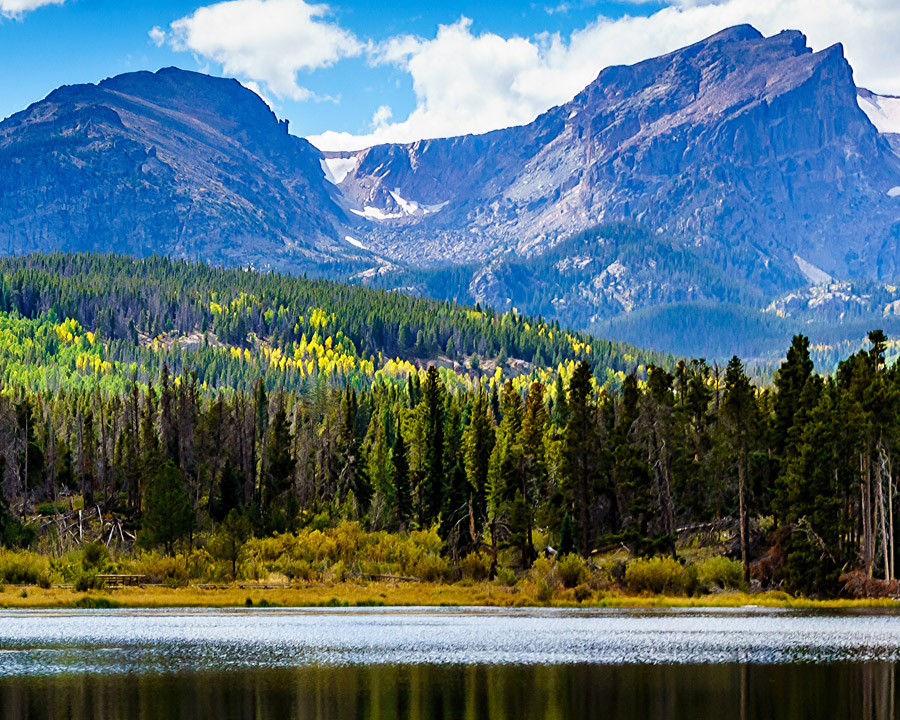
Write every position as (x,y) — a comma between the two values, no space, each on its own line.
(101,319)
(188,404)
(621,280)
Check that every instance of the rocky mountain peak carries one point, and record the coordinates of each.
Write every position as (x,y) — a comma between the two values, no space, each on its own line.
(172,162)
(750,146)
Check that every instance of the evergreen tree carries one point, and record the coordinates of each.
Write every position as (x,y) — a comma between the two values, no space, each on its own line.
(433,410)
(566,537)
(167,514)
(478,444)
(789,383)
(400,478)
(455,509)
(740,415)
(580,461)
(279,505)
(353,475)
(229,538)
(534,468)
(229,496)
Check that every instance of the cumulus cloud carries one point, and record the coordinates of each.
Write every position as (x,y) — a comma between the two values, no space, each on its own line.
(469,83)
(268,42)
(17,8)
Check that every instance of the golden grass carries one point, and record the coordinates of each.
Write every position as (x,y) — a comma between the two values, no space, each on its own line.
(399,595)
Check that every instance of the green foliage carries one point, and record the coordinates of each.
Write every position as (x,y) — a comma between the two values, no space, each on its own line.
(545,577)
(507,577)
(94,555)
(88,581)
(566,537)
(194,407)
(658,575)
(168,516)
(475,566)
(719,572)
(24,568)
(227,542)
(571,569)
(350,550)
(13,533)
(95,603)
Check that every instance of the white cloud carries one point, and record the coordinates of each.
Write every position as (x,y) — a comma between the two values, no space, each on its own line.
(382,116)
(265,41)
(17,8)
(468,83)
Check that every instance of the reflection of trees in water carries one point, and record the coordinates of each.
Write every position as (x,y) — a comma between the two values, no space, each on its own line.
(878,681)
(861,691)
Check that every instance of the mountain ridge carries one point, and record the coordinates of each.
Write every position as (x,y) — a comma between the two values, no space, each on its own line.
(170,162)
(596,162)
(751,162)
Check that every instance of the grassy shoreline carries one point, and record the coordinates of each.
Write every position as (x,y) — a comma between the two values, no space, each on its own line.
(389,594)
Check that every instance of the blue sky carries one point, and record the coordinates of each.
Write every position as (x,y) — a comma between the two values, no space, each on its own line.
(350,73)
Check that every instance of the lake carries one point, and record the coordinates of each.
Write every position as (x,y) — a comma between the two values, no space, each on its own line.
(447,663)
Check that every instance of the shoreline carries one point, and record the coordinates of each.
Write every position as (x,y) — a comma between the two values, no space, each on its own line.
(386,594)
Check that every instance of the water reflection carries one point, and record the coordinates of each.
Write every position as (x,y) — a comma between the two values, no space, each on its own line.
(442,664)
(864,691)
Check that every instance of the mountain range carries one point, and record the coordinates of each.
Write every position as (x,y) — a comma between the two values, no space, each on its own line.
(715,199)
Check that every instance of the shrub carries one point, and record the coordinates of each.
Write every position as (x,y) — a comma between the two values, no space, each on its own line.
(583,592)
(545,591)
(297,570)
(475,566)
(45,508)
(507,577)
(95,603)
(546,578)
(165,569)
(94,554)
(655,575)
(431,568)
(23,568)
(572,570)
(88,581)
(720,572)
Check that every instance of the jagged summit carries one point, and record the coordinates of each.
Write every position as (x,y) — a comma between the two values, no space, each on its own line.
(752,147)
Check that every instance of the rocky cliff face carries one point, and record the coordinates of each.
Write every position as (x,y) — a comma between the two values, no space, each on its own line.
(173,163)
(751,150)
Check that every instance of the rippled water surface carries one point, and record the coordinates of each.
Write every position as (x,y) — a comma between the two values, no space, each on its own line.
(436,663)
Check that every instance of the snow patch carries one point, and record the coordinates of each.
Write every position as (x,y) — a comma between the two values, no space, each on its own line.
(815,275)
(883,112)
(356,243)
(894,192)
(411,207)
(374,213)
(336,169)
(408,208)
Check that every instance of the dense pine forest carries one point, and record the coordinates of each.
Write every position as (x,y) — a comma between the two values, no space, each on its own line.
(255,422)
